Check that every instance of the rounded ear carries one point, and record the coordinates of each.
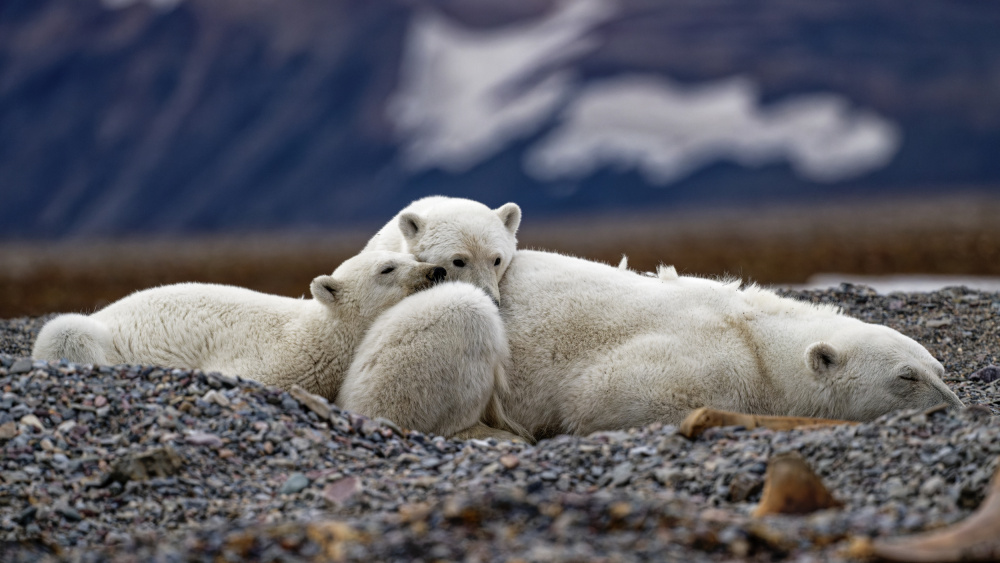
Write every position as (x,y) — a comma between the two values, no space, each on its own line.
(510,216)
(411,225)
(326,289)
(821,357)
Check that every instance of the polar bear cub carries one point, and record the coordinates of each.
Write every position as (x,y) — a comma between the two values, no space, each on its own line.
(471,241)
(275,340)
(436,359)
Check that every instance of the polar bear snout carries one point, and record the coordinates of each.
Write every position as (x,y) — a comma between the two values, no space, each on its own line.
(437,274)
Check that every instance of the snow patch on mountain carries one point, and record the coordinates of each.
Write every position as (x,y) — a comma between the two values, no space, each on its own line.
(668,131)
(464,94)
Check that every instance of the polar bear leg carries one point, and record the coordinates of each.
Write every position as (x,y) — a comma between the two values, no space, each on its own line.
(431,362)
(632,387)
(77,338)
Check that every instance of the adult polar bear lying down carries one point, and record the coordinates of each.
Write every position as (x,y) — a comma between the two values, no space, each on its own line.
(595,347)
(311,342)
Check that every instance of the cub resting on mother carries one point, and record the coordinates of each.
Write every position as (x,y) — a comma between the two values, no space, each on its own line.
(595,347)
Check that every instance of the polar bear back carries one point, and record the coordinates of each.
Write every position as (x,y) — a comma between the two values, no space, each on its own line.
(206,326)
(606,306)
(596,347)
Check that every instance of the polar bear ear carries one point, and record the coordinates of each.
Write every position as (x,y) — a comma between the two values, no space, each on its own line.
(326,290)
(411,225)
(821,357)
(510,216)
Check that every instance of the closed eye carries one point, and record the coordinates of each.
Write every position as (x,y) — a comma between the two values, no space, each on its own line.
(909,376)
(388,269)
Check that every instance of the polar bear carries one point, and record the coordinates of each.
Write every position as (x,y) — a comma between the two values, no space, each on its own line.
(275,340)
(594,347)
(471,241)
(433,360)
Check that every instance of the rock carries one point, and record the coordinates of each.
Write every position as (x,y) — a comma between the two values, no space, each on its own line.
(23,365)
(988,374)
(27,515)
(621,474)
(388,424)
(69,513)
(668,477)
(978,412)
(431,462)
(315,403)
(510,461)
(8,430)
(341,490)
(932,486)
(743,486)
(215,397)
(11,477)
(199,438)
(937,323)
(295,483)
(159,462)
(32,421)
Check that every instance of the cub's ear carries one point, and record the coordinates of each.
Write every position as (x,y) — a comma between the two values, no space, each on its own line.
(326,290)
(411,225)
(821,357)
(510,216)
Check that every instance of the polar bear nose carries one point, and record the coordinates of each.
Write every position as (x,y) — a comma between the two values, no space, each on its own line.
(437,274)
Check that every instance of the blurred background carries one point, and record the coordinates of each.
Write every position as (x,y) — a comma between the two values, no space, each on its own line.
(261,142)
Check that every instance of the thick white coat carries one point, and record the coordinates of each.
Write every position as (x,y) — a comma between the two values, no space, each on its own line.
(471,241)
(432,361)
(595,347)
(275,340)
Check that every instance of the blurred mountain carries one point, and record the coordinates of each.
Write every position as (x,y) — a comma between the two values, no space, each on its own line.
(187,116)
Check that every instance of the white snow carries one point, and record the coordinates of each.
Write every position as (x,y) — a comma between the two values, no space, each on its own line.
(668,131)
(464,94)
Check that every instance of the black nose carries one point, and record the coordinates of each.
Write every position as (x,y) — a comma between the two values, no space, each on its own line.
(437,274)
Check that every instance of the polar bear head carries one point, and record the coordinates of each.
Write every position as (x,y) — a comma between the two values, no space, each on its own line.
(869,370)
(471,241)
(368,284)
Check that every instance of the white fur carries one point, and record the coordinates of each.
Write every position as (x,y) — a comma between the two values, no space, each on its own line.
(274,340)
(597,348)
(82,338)
(471,241)
(666,273)
(431,362)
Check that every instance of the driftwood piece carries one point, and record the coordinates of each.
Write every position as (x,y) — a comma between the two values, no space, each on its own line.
(977,538)
(791,487)
(704,418)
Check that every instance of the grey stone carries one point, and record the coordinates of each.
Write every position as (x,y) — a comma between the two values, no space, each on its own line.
(295,483)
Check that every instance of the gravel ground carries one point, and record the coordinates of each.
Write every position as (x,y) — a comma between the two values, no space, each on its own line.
(140,463)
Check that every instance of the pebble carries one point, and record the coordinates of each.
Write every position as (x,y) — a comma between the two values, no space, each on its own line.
(295,483)
(22,365)
(199,438)
(341,490)
(988,374)
(154,479)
